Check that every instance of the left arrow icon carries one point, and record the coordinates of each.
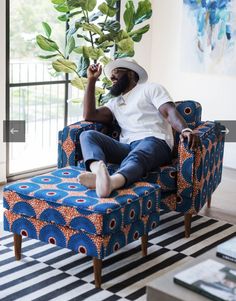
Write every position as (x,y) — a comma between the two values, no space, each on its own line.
(13,131)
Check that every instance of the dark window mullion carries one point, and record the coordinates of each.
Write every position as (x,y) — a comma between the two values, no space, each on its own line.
(66,85)
(7,108)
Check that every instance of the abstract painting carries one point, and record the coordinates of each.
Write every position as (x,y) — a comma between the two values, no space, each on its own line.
(209,36)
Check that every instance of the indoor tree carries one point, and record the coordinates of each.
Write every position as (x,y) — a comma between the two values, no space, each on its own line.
(93,35)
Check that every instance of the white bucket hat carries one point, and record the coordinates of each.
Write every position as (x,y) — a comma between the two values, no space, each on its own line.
(127,63)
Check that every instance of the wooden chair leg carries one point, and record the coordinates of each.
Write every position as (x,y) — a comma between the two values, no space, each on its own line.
(17,246)
(209,203)
(144,245)
(97,268)
(187,224)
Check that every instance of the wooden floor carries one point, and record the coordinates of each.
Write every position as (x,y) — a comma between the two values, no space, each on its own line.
(223,205)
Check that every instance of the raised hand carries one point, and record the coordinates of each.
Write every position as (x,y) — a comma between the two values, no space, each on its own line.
(94,71)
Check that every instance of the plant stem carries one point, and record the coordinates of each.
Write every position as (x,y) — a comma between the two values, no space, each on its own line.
(87,20)
(105,19)
(61,53)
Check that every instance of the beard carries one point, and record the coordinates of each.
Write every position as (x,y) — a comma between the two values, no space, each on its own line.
(121,85)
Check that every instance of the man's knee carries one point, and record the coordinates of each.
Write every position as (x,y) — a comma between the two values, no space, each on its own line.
(88,135)
(139,155)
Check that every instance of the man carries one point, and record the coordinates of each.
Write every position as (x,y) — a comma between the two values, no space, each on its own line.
(146,115)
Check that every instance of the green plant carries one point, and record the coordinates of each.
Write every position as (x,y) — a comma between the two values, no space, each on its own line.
(93,35)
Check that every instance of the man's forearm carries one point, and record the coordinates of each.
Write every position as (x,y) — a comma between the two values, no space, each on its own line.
(177,121)
(89,107)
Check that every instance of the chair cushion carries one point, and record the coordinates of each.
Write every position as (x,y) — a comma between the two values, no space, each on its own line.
(58,197)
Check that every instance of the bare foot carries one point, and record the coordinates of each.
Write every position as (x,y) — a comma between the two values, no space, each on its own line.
(103,181)
(88,179)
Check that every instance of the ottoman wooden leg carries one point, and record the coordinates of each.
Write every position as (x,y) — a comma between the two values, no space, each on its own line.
(144,245)
(97,268)
(17,246)
(187,224)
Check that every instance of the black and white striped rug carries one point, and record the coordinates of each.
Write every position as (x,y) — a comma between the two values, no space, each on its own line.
(47,272)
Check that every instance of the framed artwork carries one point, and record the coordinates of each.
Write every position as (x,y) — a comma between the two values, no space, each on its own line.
(209,36)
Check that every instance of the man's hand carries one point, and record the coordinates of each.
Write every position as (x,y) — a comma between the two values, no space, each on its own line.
(193,139)
(94,71)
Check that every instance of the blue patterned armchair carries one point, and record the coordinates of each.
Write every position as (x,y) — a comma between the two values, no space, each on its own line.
(188,183)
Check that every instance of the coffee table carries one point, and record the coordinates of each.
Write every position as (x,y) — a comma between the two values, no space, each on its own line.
(164,289)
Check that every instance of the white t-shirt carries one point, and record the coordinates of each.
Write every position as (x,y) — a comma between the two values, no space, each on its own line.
(138,116)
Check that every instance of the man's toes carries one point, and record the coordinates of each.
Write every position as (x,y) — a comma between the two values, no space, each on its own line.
(88,179)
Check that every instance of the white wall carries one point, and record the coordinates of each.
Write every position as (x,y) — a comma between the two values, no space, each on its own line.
(216,93)
(2,89)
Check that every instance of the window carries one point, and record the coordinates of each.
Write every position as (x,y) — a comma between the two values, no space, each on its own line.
(34,95)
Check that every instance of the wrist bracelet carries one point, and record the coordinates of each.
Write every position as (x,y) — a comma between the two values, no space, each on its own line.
(186,130)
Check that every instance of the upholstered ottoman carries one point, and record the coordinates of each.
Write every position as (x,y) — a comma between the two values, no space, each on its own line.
(55,208)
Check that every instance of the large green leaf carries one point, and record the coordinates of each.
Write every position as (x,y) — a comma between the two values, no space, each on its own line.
(47,29)
(63,65)
(70,45)
(63,18)
(79,82)
(62,8)
(106,37)
(122,34)
(126,45)
(58,1)
(46,57)
(89,52)
(144,11)
(83,66)
(93,28)
(95,53)
(88,5)
(141,30)
(79,50)
(110,25)
(111,2)
(107,10)
(124,54)
(137,34)
(106,45)
(46,44)
(73,4)
(129,15)
(105,60)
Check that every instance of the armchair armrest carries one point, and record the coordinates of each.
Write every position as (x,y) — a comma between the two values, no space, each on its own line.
(69,152)
(199,171)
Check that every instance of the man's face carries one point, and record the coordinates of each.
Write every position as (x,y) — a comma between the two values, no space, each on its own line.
(120,80)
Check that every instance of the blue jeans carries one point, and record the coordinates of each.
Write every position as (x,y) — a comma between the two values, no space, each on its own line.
(135,159)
